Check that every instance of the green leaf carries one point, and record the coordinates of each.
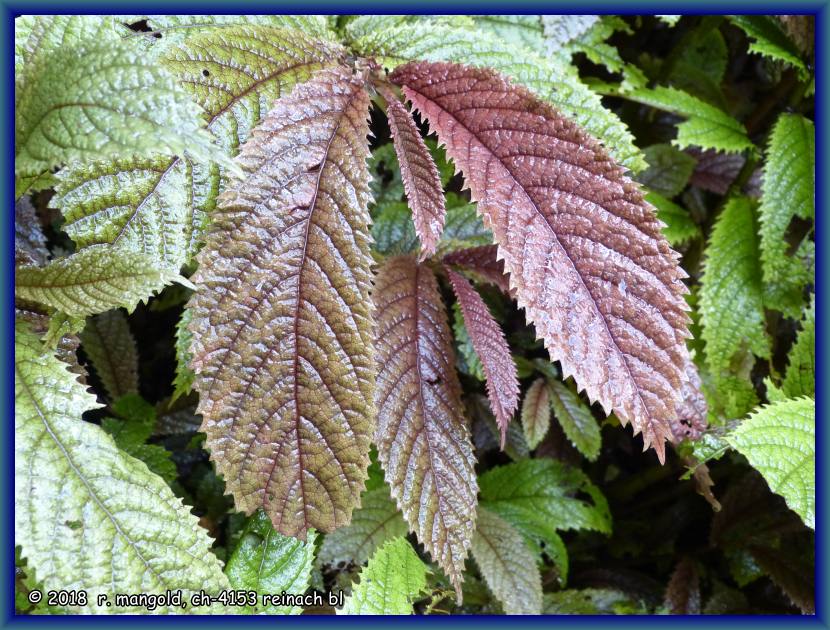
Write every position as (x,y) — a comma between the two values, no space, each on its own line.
(94,280)
(551,79)
(267,562)
(97,100)
(770,40)
(787,191)
(136,204)
(376,521)
(680,228)
(576,419)
(707,126)
(392,580)
(779,442)
(668,169)
(591,601)
(507,565)
(183,381)
(40,35)
(463,226)
(535,413)
(800,377)
(563,29)
(392,229)
(136,422)
(110,346)
(731,298)
(99,521)
(194,25)
(542,490)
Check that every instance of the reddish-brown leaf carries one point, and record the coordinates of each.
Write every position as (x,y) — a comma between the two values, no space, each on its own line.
(483,262)
(282,319)
(583,249)
(421,180)
(422,436)
(492,350)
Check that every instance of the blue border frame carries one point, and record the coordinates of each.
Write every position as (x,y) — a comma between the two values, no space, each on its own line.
(8,10)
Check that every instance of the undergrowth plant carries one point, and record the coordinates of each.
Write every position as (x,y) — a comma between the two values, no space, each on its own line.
(413,360)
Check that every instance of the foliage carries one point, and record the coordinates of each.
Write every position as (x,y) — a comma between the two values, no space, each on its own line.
(263,322)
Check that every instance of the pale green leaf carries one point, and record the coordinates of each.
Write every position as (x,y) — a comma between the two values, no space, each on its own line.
(183,381)
(770,40)
(136,204)
(94,280)
(731,298)
(787,191)
(521,30)
(97,100)
(99,521)
(671,20)
(706,125)
(680,228)
(40,35)
(800,377)
(267,562)
(376,521)
(189,25)
(507,565)
(393,579)
(552,80)
(545,490)
(779,441)
(575,418)
(563,29)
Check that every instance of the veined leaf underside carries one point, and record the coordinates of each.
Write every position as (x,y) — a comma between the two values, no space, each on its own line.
(282,316)
(583,249)
(422,436)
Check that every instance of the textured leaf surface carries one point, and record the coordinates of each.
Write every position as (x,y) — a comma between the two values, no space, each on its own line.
(110,346)
(575,418)
(267,562)
(376,521)
(483,262)
(706,125)
(731,298)
(787,191)
(770,40)
(553,81)
(393,232)
(137,204)
(583,249)
(40,35)
(779,441)
(800,377)
(197,24)
(183,381)
(95,100)
(563,29)
(492,349)
(92,281)
(507,565)
(99,521)
(467,360)
(422,436)
(545,491)
(421,180)
(392,580)
(281,320)
(536,412)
